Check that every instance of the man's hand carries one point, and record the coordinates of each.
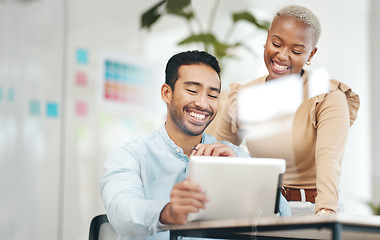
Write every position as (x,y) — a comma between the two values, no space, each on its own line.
(213,149)
(186,197)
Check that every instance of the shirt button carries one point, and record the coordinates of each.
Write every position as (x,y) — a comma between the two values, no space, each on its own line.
(178,150)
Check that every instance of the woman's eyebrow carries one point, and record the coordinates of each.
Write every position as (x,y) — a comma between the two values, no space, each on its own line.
(299,45)
(276,36)
(296,45)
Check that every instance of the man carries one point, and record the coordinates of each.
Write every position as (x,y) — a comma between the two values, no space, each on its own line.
(144,182)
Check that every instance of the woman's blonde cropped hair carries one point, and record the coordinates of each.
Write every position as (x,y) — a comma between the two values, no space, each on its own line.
(303,15)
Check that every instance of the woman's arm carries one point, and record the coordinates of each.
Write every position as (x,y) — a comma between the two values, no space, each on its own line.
(332,123)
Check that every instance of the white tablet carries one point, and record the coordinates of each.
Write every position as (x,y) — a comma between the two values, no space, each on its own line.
(237,187)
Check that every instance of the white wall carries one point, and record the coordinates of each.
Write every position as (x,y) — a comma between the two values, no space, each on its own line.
(31,70)
(375,97)
(50,167)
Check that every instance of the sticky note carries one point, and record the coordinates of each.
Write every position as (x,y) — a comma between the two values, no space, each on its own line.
(81,133)
(34,108)
(81,79)
(81,109)
(105,120)
(82,56)
(51,109)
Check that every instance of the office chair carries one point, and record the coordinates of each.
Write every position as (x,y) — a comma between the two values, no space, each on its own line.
(101,229)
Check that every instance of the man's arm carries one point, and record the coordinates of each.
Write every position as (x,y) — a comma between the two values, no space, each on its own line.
(122,193)
(187,196)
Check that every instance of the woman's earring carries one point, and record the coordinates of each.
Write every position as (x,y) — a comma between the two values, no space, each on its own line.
(264,45)
(308,62)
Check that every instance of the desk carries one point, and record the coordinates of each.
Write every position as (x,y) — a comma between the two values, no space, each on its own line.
(306,227)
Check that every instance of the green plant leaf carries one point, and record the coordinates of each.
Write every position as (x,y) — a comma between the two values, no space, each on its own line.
(187,15)
(220,50)
(151,15)
(247,16)
(375,208)
(209,39)
(173,5)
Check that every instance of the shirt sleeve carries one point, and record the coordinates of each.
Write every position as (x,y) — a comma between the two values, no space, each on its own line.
(240,152)
(332,123)
(123,195)
(227,128)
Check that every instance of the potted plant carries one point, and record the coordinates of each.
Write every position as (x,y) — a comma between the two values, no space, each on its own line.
(375,208)
(220,48)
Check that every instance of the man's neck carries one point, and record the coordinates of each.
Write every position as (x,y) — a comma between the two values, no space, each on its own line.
(182,140)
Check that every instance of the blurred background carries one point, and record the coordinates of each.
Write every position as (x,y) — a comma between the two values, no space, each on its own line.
(77,76)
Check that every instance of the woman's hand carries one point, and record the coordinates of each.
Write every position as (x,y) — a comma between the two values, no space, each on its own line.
(324,212)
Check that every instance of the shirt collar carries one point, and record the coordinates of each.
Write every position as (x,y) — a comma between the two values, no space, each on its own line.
(169,141)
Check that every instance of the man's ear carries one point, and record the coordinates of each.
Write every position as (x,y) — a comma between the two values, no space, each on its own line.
(166,93)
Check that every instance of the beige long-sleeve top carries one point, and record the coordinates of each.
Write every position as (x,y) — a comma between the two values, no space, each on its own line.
(314,146)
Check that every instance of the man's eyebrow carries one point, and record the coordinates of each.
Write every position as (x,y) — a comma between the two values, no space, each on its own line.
(192,83)
(215,89)
(296,45)
(199,84)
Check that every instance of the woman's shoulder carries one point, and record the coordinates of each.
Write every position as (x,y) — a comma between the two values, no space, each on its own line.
(236,87)
(353,99)
(255,82)
(339,92)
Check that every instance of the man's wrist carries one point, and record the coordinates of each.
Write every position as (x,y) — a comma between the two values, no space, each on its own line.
(165,215)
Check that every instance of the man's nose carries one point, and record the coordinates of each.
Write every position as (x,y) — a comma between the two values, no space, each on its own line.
(202,101)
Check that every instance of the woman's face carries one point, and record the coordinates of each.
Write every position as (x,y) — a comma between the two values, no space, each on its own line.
(289,45)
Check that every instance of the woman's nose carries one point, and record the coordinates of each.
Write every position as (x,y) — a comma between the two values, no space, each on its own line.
(283,54)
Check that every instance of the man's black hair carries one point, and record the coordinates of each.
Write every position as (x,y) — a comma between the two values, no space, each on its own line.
(188,58)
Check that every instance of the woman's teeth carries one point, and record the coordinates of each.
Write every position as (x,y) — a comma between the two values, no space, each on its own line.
(280,67)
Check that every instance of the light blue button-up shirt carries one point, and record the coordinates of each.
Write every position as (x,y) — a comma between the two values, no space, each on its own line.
(138,177)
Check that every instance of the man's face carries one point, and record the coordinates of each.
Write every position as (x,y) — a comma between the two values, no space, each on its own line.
(195,99)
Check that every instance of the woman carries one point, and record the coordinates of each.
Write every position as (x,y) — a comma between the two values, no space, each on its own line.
(320,124)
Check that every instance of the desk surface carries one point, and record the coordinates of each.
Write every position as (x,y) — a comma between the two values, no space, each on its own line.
(305,227)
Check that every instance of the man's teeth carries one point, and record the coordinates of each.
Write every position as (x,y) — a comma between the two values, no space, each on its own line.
(196,115)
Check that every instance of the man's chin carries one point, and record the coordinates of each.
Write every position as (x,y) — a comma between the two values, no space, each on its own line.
(196,131)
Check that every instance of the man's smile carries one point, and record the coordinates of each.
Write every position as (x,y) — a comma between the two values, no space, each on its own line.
(197,116)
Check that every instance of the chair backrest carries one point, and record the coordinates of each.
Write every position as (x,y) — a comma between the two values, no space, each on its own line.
(101,229)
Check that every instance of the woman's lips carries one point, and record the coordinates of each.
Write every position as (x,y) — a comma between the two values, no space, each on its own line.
(279,68)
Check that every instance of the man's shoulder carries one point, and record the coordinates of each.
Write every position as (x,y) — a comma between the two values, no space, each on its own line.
(208,139)
(140,141)
(142,137)
(240,152)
